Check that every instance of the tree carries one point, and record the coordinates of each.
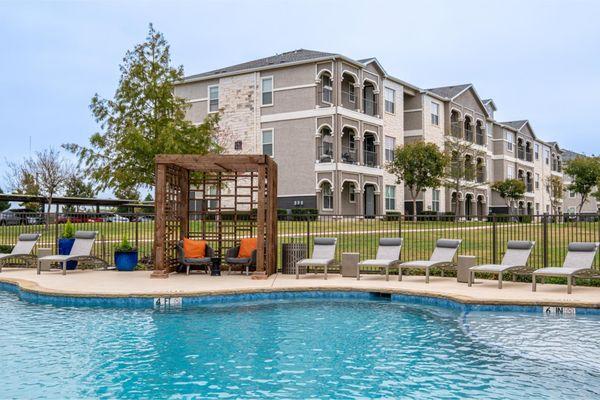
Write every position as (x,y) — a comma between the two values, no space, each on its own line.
(127,194)
(510,190)
(77,186)
(556,186)
(419,166)
(460,170)
(144,119)
(585,174)
(4,205)
(46,173)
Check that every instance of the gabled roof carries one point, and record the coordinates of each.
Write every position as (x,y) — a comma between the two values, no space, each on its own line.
(515,124)
(277,59)
(367,61)
(450,92)
(555,145)
(489,103)
(569,155)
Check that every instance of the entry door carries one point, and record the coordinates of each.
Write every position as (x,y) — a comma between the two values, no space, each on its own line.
(369,201)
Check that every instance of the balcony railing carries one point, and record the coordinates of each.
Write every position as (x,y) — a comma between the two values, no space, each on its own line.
(480,139)
(481,175)
(349,155)
(456,129)
(469,135)
(370,158)
(325,152)
(520,153)
(529,186)
(529,156)
(370,107)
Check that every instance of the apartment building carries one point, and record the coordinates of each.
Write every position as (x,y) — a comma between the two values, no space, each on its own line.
(332,122)
(571,200)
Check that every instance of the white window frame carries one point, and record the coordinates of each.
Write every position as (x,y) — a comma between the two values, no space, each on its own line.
(510,140)
(262,91)
(435,200)
(327,184)
(351,194)
(208,97)
(388,199)
(435,106)
(329,87)
(537,181)
(536,151)
(547,156)
(387,90)
(510,172)
(386,149)
(262,141)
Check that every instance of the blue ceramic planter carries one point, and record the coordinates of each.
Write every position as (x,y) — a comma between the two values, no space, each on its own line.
(64,249)
(126,260)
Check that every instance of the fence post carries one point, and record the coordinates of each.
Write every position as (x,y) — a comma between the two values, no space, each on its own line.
(307,235)
(545,239)
(55,241)
(494,241)
(137,221)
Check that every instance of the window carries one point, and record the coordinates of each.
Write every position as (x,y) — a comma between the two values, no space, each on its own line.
(212,192)
(510,172)
(327,196)
(390,100)
(435,114)
(351,194)
(571,194)
(213,99)
(510,139)
(537,181)
(390,197)
(537,151)
(547,156)
(571,210)
(435,200)
(352,142)
(267,142)
(267,91)
(537,208)
(390,145)
(237,145)
(327,88)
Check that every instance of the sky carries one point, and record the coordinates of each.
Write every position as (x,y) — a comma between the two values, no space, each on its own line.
(538,60)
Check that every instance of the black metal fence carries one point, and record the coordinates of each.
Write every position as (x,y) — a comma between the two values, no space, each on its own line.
(484,237)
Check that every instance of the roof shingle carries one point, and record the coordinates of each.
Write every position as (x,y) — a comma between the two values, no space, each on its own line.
(449,92)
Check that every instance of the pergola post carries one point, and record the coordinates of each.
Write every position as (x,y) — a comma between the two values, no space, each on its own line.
(160,222)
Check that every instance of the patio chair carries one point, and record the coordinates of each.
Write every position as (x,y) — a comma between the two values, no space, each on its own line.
(515,258)
(323,255)
(388,254)
(578,261)
(81,251)
(22,250)
(233,258)
(188,263)
(442,257)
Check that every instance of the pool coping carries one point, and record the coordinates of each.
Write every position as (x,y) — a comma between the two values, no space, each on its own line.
(33,292)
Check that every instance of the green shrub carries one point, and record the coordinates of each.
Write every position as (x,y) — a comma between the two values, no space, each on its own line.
(125,246)
(5,248)
(393,216)
(282,214)
(304,214)
(68,230)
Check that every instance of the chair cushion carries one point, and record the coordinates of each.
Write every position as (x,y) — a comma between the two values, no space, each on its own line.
(28,237)
(418,264)
(377,263)
(390,241)
(315,262)
(325,241)
(194,248)
(237,260)
(448,243)
(197,261)
(519,244)
(582,246)
(491,268)
(247,246)
(85,235)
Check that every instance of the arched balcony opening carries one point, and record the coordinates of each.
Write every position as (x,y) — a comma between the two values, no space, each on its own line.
(528,152)
(326,196)
(455,126)
(469,168)
(349,91)
(325,145)
(468,124)
(480,170)
(468,206)
(349,154)
(326,88)
(520,149)
(529,182)
(370,98)
(370,150)
(479,134)
(480,206)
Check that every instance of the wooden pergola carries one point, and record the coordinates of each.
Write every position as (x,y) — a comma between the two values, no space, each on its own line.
(217,198)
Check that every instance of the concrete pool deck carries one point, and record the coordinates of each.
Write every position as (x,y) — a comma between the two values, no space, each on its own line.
(99,283)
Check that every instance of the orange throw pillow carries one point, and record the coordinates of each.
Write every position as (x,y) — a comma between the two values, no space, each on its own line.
(247,246)
(194,248)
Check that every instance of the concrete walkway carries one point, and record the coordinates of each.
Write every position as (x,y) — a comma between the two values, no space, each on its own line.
(118,284)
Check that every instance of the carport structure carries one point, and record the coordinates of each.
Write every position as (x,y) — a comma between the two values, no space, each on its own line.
(217,198)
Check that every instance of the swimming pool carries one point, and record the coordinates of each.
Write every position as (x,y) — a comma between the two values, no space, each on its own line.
(302,348)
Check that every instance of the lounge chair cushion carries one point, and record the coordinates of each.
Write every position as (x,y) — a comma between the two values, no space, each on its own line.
(377,263)
(247,246)
(559,271)
(85,235)
(519,244)
(56,258)
(197,261)
(390,241)
(193,249)
(494,268)
(314,262)
(28,237)
(582,246)
(420,264)
(238,260)
(325,241)
(448,243)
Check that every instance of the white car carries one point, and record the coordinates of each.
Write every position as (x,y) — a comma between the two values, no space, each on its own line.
(116,218)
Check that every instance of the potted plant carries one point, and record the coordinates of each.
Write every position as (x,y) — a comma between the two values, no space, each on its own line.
(126,256)
(65,243)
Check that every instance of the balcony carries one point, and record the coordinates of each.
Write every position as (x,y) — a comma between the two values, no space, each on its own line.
(370,158)
(455,129)
(521,153)
(529,156)
(349,155)
(325,152)
(480,175)
(469,135)
(370,107)
(480,139)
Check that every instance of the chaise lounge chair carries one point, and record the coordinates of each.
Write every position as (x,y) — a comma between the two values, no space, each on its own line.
(323,256)
(188,263)
(388,254)
(81,251)
(22,250)
(442,256)
(515,258)
(578,261)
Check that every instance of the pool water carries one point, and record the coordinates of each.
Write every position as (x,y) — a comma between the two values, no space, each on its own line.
(314,348)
